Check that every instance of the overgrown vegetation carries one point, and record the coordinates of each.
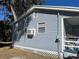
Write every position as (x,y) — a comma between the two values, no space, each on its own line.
(20,6)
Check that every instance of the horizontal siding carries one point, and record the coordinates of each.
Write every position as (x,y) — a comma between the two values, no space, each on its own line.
(45,40)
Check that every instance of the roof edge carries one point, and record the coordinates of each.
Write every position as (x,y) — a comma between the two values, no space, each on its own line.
(60,8)
(48,7)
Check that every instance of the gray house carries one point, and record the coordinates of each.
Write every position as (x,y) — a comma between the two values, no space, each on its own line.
(49,29)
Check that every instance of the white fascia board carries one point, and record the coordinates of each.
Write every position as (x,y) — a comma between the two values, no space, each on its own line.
(69,9)
(58,8)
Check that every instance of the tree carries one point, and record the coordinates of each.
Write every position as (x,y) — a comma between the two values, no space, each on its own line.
(20,6)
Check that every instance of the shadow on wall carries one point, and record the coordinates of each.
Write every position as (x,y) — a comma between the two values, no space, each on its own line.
(21,29)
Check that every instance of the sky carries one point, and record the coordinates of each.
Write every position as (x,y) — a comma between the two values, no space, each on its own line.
(74,3)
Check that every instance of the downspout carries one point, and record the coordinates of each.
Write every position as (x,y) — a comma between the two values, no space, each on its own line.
(58,34)
(57,29)
(57,37)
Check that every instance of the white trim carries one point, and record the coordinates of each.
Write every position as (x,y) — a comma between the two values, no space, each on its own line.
(59,8)
(39,51)
(71,46)
(72,41)
(36,50)
(62,29)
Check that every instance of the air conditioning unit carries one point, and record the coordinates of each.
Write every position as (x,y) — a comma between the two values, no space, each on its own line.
(30,33)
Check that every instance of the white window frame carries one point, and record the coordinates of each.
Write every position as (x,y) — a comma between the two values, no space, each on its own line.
(38,27)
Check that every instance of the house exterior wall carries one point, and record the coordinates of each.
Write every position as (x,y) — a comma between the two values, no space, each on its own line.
(46,40)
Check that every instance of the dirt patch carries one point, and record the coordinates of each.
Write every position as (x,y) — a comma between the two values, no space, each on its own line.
(7,53)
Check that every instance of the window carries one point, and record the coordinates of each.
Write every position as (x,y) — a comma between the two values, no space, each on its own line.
(41,27)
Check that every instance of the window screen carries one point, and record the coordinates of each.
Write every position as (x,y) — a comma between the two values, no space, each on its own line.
(41,27)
